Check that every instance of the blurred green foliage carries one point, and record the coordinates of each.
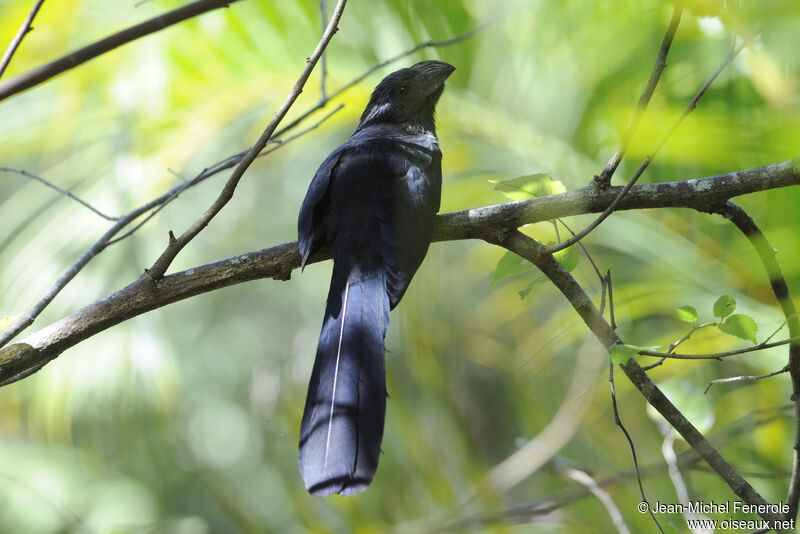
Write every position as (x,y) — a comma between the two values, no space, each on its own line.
(185,420)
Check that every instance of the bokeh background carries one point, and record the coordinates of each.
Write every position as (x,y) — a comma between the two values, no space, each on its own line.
(186,419)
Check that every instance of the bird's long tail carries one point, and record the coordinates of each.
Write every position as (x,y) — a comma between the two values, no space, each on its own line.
(340,436)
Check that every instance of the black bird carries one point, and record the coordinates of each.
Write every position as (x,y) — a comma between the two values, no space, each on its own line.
(373,201)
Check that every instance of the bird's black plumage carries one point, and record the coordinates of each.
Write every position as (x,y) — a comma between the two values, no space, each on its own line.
(373,201)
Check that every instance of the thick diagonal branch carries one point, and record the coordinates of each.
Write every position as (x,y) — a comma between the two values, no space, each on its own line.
(780,288)
(537,254)
(703,194)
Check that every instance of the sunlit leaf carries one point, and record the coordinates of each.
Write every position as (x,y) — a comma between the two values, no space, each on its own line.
(724,306)
(740,325)
(622,353)
(568,257)
(686,313)
(524,292)
(509,265)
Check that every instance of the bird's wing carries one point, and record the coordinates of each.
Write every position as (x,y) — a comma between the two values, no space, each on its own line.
(410,200)
(314,206)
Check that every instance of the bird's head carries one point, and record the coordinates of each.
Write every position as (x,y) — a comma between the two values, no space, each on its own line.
(408,96)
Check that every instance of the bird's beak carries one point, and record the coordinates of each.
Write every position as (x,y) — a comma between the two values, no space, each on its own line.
(434,73)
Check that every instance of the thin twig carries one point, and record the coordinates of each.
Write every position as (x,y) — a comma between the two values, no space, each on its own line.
(743,378)
(631,446)
(323,14)
(677,343)
(786,320)
(64,192)
(206,174)
(719,355)
(174,246)
(583,248)
(611,317)
(644,98)
(24,29)
(44,72)
(649,158)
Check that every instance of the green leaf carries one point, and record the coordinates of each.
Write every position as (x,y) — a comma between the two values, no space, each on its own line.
(622,353)
(724,306)
(532,185)
(524,292)
(568,257)
(740,325)
(687,314)
(509,265)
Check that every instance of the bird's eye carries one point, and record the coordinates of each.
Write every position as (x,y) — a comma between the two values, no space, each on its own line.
(403,90)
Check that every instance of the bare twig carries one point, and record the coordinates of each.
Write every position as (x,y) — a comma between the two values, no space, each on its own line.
(744,378)
(45,72)
(24,29)
(780,327)
(675,345)
(323,68)
(689,108)
(174,246)
(719,355)
(64,192)
(631,446)
(278,143)
(108,239)
(644,99)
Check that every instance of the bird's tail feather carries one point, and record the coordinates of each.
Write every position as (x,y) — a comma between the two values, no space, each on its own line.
(340,436)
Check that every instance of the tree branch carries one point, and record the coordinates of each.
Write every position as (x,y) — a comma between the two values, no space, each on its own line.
(24,29)
(45,72)
(31,353)
(176,245)
(644,98)
(649,158)
(718,355)
(744,378)
(780,288)
(537,254)
(54,187)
